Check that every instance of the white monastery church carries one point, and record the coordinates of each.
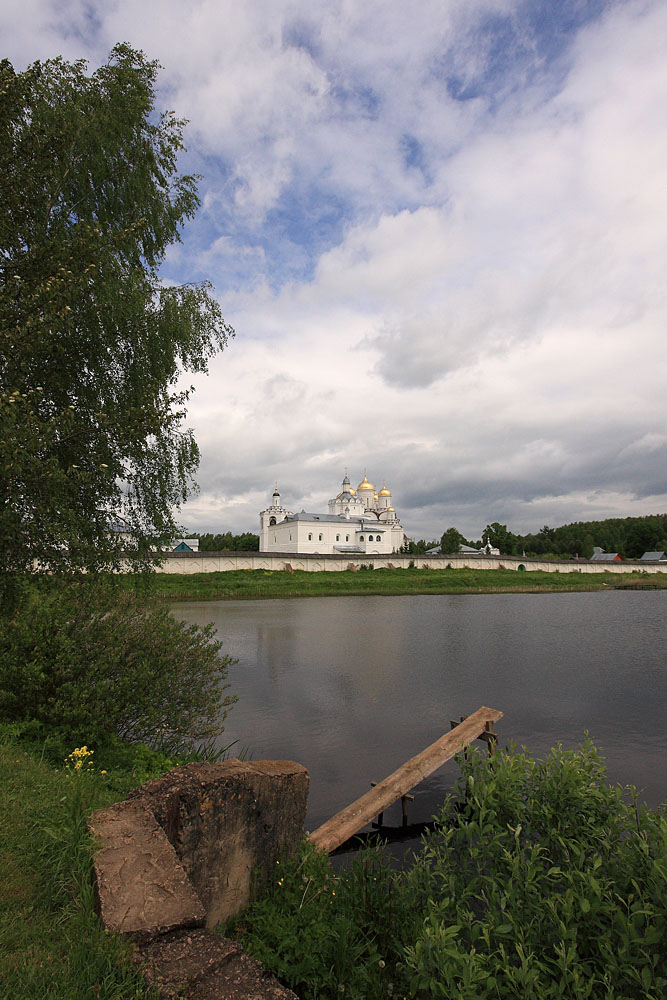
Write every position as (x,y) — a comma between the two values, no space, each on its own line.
(361,520)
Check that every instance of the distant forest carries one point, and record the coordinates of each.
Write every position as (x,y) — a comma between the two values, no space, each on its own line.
(629,536)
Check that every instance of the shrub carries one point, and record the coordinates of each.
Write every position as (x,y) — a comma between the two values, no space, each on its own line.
(547,885)
(93,662)
(540,882)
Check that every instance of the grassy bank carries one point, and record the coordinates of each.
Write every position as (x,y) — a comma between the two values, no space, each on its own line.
(279,583)
(99,691)
(52,944)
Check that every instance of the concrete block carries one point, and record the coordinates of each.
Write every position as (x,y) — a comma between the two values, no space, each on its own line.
(228,823)
(142,889)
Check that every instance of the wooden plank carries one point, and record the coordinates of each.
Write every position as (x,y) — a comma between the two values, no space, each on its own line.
(355,816)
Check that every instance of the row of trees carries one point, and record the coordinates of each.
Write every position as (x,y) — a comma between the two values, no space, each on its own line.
(227,542)
(629,536)
(413,548)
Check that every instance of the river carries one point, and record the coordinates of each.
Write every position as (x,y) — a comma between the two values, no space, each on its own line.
(352,687)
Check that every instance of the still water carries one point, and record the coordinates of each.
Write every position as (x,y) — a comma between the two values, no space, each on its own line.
(353,687)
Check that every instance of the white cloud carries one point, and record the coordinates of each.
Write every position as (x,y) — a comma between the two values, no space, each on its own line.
(442,248)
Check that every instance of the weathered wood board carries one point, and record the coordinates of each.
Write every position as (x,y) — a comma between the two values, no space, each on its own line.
(361,812)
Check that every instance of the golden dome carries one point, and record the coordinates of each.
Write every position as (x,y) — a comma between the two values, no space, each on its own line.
(352,491)
(375,496)
(390,508)
(384,492)
(365,485)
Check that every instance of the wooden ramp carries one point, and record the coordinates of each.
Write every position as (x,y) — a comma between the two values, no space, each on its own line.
(354,817)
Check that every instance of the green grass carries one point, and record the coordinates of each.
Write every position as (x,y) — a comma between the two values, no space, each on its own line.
(280,583)
(52,944)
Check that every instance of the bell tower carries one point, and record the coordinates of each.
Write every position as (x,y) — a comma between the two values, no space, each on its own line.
(274,514)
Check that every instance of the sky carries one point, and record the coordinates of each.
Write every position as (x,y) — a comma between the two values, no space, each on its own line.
(439,230)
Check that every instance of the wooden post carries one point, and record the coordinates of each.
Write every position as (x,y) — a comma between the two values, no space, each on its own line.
(380,820)
(490,737)
(404,807)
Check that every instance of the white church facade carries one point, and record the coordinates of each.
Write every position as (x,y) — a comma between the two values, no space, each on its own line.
(358,521)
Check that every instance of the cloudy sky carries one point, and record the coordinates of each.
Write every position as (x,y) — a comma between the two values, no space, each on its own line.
(439,229)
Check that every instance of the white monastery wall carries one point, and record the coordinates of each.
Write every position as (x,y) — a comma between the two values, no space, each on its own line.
(221,562)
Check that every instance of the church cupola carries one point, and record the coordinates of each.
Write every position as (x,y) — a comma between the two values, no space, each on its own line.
(366,492)
(384,498)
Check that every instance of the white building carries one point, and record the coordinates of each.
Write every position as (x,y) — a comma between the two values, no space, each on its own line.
(361,520)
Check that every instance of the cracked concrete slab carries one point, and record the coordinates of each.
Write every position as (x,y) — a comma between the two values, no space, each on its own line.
(142,889)
(200,965)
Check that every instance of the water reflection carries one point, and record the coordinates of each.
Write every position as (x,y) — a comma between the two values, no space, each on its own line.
(353,687)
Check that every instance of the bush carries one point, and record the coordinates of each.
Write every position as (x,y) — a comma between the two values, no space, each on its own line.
(547,885)
(325,934)
(540,882)
(93,662)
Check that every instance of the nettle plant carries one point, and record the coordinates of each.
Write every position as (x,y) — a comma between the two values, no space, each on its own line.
(539,881)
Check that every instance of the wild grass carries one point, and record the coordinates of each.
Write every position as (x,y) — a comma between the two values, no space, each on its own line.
(52,944)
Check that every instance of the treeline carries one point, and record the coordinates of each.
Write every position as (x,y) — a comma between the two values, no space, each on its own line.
(629,536)
(227,542)
(412,548)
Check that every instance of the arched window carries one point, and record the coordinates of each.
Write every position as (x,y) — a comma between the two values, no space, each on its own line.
(347,538)
(361,538)
(310,536)
(337,538)
(319,537)
(377,538)
(272,521)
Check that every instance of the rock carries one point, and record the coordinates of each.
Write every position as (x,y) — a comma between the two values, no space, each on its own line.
(141,887)
(200,965)
(180,852)
(227,822)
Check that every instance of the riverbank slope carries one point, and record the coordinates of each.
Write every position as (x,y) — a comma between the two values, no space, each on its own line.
(253,584)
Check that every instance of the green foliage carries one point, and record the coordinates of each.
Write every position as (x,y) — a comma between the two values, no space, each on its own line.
(227,542)
(91,341)
(412,548)
(235,584)
(540,882)
(52,943)
(546,885)
(630,536)
(91,663)
(326,935)
(500,538)
(451,541)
